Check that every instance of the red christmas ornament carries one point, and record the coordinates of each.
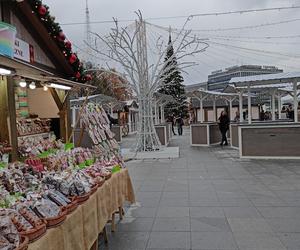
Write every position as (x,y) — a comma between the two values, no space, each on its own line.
(77,75)
(68,45)
(42,10)
(61,36)
(88,77)
(72,58)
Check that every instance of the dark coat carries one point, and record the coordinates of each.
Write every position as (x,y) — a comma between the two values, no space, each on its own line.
(224,123)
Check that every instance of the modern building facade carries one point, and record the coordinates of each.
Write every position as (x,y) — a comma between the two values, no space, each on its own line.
(219,79)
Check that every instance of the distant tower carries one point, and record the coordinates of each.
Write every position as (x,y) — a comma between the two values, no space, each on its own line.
(88,39)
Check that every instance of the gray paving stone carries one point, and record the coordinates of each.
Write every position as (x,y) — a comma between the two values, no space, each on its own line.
(172,224)
(258,241)
(130,224)
(210,199)
(147,212)
(290,240)
(128,241)
(167,240)
(280,212)
(198,212)
(213,240)
(241,212)
(249,225)
(173,212)
(209,224)
(284,225)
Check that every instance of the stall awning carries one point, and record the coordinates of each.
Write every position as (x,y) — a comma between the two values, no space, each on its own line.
(22,68)
(27,70)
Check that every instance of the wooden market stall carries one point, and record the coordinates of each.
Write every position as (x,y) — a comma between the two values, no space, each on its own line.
(207,133)
(38,70)
(270,139)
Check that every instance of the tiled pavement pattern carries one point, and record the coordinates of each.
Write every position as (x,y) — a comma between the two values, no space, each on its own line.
(210,199)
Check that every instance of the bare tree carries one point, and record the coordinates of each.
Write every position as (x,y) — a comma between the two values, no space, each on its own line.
(130,51)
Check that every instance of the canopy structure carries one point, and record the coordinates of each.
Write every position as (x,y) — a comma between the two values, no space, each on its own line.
(100,98)
(202,95)
(286,83)
(20,68)
(160,101)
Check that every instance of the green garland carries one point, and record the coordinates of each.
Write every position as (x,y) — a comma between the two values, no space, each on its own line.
(58,36)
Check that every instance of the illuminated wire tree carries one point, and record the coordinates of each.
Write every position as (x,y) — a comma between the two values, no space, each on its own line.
(129,49)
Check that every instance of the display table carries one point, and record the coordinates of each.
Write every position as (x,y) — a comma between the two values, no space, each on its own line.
(81,228)
(205,134)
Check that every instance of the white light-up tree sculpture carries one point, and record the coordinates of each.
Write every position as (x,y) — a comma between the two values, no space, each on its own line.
(129,49)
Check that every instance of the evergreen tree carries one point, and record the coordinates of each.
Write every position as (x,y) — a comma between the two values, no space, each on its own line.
(173,85)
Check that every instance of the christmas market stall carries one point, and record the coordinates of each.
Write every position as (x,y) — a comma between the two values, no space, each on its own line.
(53,195)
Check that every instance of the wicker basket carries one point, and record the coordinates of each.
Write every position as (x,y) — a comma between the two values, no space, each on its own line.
(81,199)
(35,233)
(24,243)
(72,206)
(56,221)
(100,183)
(107,177)
(93,189)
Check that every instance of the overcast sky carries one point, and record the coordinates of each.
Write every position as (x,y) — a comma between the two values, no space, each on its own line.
(227,47)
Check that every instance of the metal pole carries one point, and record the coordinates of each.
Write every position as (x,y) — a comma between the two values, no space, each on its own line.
(241,106)
(273,106)
(214,110)
(230,109)
(279,106)
(129,121)
(201,110)
(295,101)
(249,105)
(155,113)
(161,113)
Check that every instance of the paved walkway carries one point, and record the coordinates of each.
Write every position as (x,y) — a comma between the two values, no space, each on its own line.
(210,199)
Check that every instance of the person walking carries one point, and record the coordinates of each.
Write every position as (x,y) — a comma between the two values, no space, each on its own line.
(223,126)
(179,125)
(173,121)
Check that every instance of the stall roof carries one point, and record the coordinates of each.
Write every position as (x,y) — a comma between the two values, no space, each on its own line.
(284,88)
(266,79)
(211,93)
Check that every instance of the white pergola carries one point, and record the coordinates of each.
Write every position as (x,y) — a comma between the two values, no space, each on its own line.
(282,83)
(160,101)
(202,95)
(274,91)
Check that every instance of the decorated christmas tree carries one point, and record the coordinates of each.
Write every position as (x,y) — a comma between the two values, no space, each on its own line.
(173,85)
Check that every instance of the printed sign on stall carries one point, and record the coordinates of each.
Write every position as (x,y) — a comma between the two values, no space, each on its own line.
(7,39)
(23,51)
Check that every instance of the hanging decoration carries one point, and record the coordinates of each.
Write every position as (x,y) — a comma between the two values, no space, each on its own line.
(42,12)
(72,58)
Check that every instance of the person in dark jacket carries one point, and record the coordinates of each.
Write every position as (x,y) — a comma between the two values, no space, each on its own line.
(223,126)
(173,120)
(180,123)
